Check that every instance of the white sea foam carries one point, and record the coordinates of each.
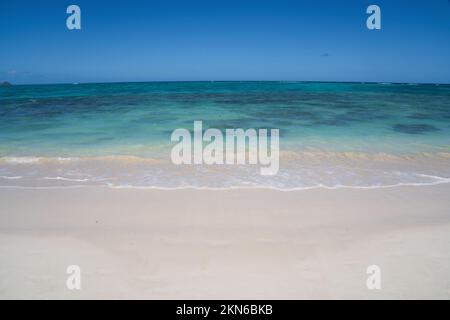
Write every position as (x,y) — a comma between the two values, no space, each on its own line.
(68,159)
(66,179)
(112,186)
(21,160)
(11,178)
(299,171)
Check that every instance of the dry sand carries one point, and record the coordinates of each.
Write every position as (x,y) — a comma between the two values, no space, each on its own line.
(236,244)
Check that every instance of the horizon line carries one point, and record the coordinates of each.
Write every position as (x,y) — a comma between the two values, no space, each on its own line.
(233,81)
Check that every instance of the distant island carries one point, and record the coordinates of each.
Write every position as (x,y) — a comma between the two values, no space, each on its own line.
(5,84)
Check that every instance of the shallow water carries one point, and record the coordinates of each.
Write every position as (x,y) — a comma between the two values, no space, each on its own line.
(331,134)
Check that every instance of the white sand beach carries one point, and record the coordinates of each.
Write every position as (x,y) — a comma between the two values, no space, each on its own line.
(236,244)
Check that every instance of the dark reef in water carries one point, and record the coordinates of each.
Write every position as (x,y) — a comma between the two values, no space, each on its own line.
(414,128)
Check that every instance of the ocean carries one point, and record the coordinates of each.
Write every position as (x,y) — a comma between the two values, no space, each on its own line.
(332,135)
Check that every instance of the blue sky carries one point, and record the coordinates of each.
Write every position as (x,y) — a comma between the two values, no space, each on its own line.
(180,40)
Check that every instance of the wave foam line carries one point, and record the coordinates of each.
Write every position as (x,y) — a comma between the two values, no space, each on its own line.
(284,154)
(21,160)
(319,186)
(65,179)
(11,178)
(189,187)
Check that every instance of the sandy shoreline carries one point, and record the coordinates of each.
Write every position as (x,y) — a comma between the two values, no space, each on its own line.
(254,244)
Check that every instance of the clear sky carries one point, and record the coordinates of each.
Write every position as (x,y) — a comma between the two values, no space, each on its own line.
(131,40)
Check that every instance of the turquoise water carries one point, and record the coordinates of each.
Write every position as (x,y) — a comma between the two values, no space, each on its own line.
(331,134)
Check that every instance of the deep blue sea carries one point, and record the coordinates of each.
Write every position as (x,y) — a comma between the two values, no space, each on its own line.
(118,134)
